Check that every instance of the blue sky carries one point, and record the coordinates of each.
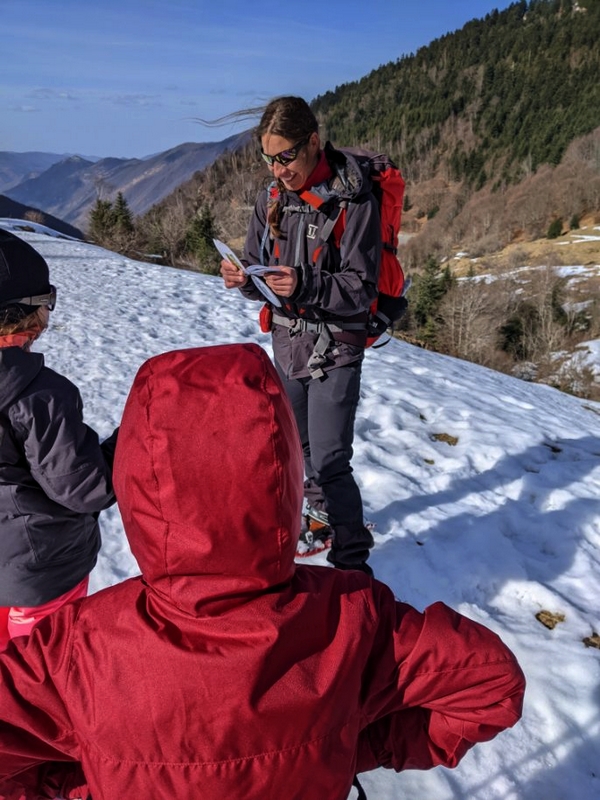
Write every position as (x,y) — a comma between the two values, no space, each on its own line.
(126,78)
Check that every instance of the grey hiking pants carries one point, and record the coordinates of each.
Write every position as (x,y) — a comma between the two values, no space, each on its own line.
(325,410)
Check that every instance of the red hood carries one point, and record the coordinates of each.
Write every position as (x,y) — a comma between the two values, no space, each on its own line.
(208,475)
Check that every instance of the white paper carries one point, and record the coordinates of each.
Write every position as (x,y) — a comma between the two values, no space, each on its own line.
(254,271)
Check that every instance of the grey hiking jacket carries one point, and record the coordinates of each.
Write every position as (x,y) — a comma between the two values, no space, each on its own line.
(334,283)
(54,479)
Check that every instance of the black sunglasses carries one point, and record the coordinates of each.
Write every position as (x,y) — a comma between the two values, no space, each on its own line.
(286,156)
(48,299)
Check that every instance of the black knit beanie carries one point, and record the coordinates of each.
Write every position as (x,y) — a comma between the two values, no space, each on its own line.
(23,273)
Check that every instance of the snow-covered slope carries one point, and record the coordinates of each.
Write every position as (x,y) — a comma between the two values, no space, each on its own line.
(485,492)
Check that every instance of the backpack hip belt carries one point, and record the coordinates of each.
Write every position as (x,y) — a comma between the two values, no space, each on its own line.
(325,340)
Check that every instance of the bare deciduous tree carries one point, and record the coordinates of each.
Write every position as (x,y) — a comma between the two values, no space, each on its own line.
(165,228)
(33,215)
(468,321)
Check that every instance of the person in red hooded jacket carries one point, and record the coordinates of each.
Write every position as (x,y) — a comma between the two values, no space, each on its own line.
(225,670)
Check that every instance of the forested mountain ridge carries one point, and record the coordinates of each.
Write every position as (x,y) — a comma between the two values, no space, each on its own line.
(496,128)
(504,93)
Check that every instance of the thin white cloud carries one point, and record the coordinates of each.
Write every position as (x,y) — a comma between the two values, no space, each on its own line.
(134,99)
(47,93)
(100,58)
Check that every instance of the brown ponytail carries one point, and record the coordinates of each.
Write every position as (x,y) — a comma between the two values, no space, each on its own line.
(274,212)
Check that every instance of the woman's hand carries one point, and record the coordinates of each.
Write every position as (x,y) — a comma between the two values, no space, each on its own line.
(283,282)
(233,277)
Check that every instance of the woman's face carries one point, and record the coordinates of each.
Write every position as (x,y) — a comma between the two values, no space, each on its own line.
(293,174)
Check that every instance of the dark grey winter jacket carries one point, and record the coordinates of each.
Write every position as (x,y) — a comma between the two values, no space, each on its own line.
(54,479)
(333,283)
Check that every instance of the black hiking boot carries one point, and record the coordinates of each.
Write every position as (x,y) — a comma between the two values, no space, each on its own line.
(315,536)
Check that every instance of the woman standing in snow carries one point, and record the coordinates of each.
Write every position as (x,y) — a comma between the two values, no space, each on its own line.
(326,289)
(55,477)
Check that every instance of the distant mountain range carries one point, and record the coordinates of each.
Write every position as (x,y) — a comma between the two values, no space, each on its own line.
(68,186)
(18,167)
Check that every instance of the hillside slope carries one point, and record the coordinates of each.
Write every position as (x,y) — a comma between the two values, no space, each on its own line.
(503,95)
(484,490)
(10,209)
(496,128)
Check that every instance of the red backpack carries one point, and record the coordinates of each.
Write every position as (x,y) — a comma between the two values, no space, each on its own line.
(388,189)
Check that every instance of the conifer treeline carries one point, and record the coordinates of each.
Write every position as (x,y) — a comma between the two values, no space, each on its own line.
(515,87)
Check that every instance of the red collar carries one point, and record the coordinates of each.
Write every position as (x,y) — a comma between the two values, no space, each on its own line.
(23,340)
(320,173)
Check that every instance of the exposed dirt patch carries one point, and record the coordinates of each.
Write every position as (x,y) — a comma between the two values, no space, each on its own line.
(592,641)
(445,437)
(549,619)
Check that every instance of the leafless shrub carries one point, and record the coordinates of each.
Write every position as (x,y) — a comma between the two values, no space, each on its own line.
(414,253)
(546,335)
(548,257)
(33,215)
(482,265)
(484,244)
(594,329)
(165,228)
(517,257)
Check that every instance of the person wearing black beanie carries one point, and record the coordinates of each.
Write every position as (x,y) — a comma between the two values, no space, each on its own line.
(24,277)
(55,475)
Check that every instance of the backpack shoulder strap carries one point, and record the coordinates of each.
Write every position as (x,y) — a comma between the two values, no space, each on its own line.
(337,215)
(265,250)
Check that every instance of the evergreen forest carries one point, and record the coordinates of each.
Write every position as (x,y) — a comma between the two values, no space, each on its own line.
(516,87)
(496,128)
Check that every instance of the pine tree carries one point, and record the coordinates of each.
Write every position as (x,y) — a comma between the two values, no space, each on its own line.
(430,288)
(122,216)
(101,221)
(199,240)
(555,229)
(111,224)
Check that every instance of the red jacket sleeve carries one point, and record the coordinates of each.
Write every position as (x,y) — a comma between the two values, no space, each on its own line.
(442,684)
(54,781)
(35,728)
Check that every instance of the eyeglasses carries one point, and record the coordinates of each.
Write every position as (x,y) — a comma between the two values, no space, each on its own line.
(48,299)
(286,156)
